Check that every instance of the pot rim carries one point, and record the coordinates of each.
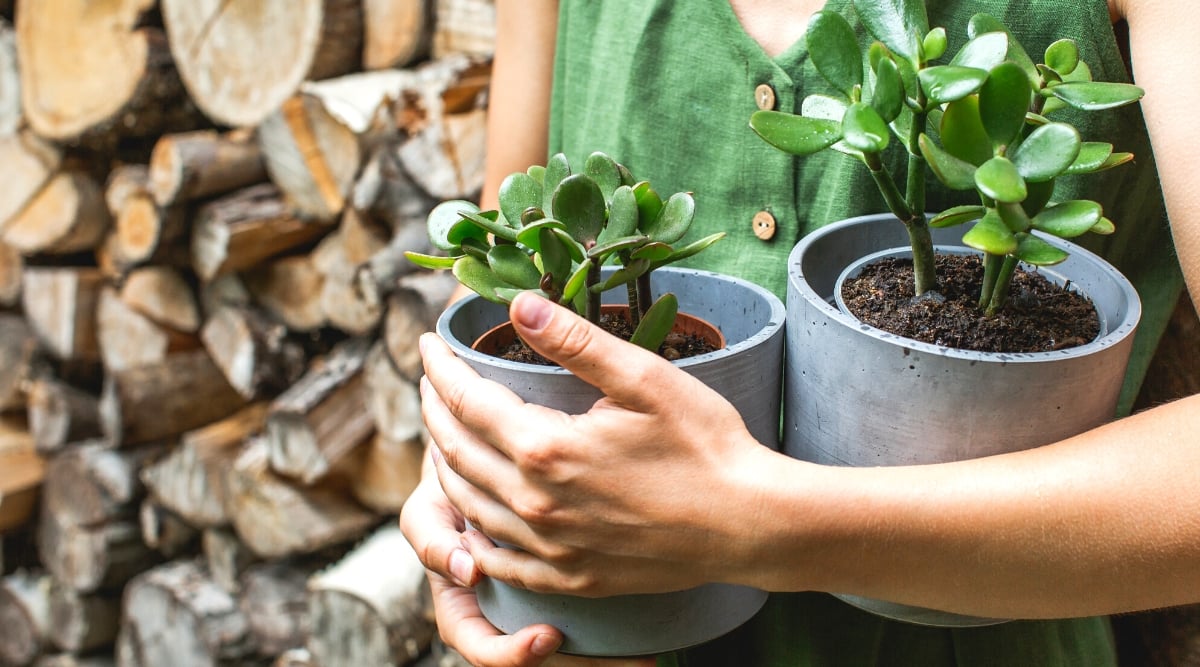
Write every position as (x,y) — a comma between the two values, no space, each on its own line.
(1116,332)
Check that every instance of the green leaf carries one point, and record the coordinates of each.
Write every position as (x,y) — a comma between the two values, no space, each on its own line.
(430,261)
(537,172)
(673,220)
(829,108)
(580,205)
(574,285)
(1095,95)
(557,169)
(478,277)
(864,130)
(896,23)
(956,174)
(1003,101)
(962,132)
(1062,56)
(999,179)
(649,204)
(554,256)
(1116,159)
(794,134)
(507,294)
(957,215)
(1068,219)
(1104,227)
(622,275)
(518,192)
(1047,152)
(991,235)
(1082,73)
(689,250)
(514,266)
(443,218)
(475,248)
(602,250)
(530,235)
(981,24)
(622,215)
(603,170)
(934,44)
(654,252)
(574,248)
(1039,195)
(834,51)
(946,83)
(1014,217)
(1037,252)
(888,96)
(656,323)
(983,52)
(488,221)
(1092,155)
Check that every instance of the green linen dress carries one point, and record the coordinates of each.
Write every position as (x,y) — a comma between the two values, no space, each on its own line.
(667,88)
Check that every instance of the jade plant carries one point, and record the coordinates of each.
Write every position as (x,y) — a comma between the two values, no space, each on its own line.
(555,229)
(984,121)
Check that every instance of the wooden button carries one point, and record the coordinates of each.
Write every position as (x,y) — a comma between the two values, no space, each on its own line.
(764,225)
(764,97)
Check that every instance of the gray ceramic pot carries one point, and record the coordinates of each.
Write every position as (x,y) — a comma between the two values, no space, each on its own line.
(859,396)
(746,372)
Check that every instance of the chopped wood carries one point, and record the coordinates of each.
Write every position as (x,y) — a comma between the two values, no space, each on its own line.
(252,350)
(389,472)
(125,181)
(90,559)
(29,163)
(60,413)
(60,304)
(193,165)
(276,518)
(191,479)
(218,48)
(373,607)
(165,531)
(274,599)
(413,309)
(72,660)
(144,232)
(80,623)
(378,277)
(239,230)
(393,400)
(465,26)
(226,290)
(12,266)
(319,420)
(227,557)
(17,347)
(183,392)
(296,657)
(95,483)
(162,294)
(289,289)
(21,475)
(340,301)
(25,617)
(10,82)
(396,32)
(385,192)
(175,615)
(128,339)
(67,215)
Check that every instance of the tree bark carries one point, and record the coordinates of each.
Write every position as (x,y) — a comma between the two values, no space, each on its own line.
(12,266)
(95,483)
(60,304)
(165,531)
(397,32)
(80,623)
(340,301)
(390,471)
(60,413)
(413,310)
(128,339)
(67,215)
(17,347)
(193,165)
(21,475)
(252,351)
(10,82)
(90,559)
(227,558)
(289,289)
(465,26)
(393,401)
(274,602)
(25,617)
(161,294)
(144,233)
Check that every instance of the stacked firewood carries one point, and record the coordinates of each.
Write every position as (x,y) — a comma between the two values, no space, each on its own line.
(208,408)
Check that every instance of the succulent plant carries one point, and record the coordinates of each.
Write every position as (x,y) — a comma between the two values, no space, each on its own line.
(984,121)
(553,231)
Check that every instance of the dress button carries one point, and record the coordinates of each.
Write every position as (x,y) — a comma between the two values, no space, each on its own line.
(764,225)
(764,97)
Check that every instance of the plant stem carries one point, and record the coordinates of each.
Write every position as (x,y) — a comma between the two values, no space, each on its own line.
(924,278)
(593,299)
(644,299)
(1000,293)
(635,310)
(991,269)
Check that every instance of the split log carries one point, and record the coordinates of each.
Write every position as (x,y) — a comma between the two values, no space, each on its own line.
(386,193)
(128,339)
(80,623)
(318,421)
(161,294)
(12,265)
(276,518)
(193,165)
(227,558)
(175,615)
(60,413)
(17,347)
(191,479)
(252,351)
(465,26)
(183,392)
(21,475)
(218,47)
(413,309)
(60,304)
(393,401)
(67,215)
(165,531)
(373,607)
(390,471)
(25,617)
(142,233)
(125,181)
(395,33)
(72,660)
(119,80)
(296,657)
(10,83)
(239,230)
(378,277)
(340,301)
(274,601)
(29,163)
(96,483)
(90,559)
(289,289)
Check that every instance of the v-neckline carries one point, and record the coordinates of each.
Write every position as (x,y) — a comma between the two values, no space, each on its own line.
(786,58)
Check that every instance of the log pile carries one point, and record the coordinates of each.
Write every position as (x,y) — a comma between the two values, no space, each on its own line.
(208,408)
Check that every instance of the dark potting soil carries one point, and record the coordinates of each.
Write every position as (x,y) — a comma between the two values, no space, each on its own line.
(1039,315)
(675,346)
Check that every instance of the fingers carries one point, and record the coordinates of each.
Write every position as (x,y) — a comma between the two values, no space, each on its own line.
(433,527)
(484,511)
(463,626)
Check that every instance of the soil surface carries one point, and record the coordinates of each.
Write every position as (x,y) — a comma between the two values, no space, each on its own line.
(675,346)
(1039,316)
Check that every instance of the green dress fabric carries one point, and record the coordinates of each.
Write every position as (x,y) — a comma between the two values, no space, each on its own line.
(667,88)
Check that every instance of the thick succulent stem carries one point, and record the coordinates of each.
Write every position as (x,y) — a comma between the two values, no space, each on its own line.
(593,299)
(924,278)
(1003,280)
(991,270)
(644,298)
(635,310)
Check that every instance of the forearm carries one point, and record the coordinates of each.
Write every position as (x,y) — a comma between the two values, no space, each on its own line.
(1108,521)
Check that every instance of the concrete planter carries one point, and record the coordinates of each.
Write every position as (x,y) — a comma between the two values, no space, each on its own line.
(859,396)
(746,372)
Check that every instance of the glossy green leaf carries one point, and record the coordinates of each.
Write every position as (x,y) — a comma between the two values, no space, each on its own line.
(1082,73)
(962,132)
(574,248)
(429,261)
(673,220)
(1104,227)
(689,250)
(896,23)
(1062,56)
(507,294)
(1047,152)
(1014,217)
(602,250)
(479,277)
(575,284)
(957,215)
(554,256)
(625,274)
(991,235)
(622,215)
(530,235)
(834,51)
(1039,195)
(1092,155)
(1049,75)
(603,170)
(580,205)
(1096,95)
(1037,252)
(946,83)
(956,174)
(829,108)
(983,52)
(864,130)
(626,175)
(981,24)
(1068,219)
(537,172)
(443,218)
(653,252)
(999,179)
(475,248)
(488,221)
(888,96)
(557,169)
(1003,101)
(1115,160)
(934,44)
(656,323)
(648,202)
(518,192)
(514,266)
(794,134)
